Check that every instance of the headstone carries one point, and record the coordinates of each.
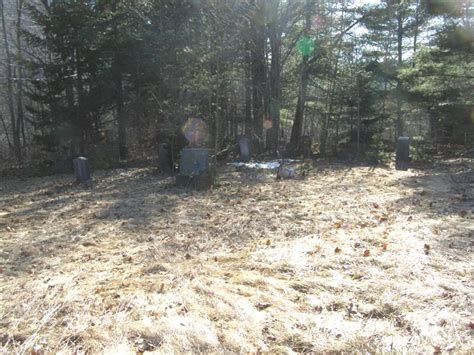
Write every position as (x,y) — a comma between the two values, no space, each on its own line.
(193,161)
(165,161)
(402,158)
(244,148)
(194,169)
(81,170)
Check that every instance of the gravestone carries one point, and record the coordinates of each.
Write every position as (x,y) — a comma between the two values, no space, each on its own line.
(82,170)
(194,169)
(244,148)
(402,158)
(193,161)
(165,160)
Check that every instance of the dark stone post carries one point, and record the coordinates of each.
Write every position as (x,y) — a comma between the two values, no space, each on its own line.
(81,170)
(402,158)
(165,160)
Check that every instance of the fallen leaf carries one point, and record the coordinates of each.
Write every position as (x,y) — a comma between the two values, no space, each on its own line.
(89,244)
(367,252)
(183,310)
(427,249)
(262,305)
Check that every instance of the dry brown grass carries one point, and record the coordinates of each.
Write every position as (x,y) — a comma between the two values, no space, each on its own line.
(346,259)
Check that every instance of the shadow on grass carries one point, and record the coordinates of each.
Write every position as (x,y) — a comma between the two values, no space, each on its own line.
(126,197)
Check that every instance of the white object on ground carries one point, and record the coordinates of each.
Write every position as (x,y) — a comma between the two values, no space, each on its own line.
(262,165)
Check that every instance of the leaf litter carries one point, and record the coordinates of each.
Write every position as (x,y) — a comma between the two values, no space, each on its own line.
(133,264)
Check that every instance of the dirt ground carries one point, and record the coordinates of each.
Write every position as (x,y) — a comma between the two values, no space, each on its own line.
(342,259)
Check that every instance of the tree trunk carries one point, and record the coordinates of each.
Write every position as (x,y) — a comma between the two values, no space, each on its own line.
(399,122)
(119,100)
(275,75)
(417,24)
(121,119)
(257,51)
(325,126)
(20,111)
(14,127)
(297,127)
(248,95)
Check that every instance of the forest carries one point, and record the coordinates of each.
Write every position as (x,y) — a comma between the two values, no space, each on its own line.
(113,79)
(236,176)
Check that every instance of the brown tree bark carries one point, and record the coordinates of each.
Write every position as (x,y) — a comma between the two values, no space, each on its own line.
(257,51)
(275,74)
(297,127)
(399,121)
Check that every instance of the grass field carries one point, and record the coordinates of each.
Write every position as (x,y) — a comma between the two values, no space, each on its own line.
(343,259)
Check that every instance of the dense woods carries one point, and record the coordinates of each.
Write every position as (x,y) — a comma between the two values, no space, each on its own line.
(112,79)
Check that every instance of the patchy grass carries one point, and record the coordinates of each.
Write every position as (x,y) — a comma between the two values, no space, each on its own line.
(345,259)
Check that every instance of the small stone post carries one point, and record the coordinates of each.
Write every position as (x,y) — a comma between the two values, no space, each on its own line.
(164,155)
(244,148)
(402,158)
(82,170)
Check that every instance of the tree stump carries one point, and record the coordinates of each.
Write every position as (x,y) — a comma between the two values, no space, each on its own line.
(82,170)
(402,158)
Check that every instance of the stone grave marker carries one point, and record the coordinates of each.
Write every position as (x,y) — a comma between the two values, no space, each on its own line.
(194,170)
(82,170)
(244,148)
(402,158)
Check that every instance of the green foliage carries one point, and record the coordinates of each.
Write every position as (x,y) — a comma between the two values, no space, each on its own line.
(159,62)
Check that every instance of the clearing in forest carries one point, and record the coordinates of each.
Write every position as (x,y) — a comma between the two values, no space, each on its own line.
(344,259)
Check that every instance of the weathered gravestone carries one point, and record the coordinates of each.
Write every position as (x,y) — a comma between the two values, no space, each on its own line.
(82,170)
(402,158)
(194,169)
(193,161)
(244,148)
(165,160)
